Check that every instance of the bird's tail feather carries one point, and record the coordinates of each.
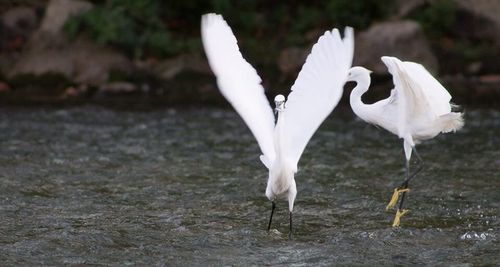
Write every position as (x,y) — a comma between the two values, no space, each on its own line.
(452,122)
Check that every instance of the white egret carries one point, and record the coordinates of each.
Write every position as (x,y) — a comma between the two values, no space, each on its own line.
(313,97)
(417,109)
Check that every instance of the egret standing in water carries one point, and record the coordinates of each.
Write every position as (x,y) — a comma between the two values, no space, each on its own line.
(313,97)
(418,109)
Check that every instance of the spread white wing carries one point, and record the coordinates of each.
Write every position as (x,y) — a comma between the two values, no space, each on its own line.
(435,94)
(238,81)
(318,88)
(419,96)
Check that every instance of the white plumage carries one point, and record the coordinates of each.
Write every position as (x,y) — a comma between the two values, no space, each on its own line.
(238,81)
(418,109)
(314,95)
(318,88)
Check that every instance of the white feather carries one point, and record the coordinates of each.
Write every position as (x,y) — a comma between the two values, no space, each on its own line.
(418,108)
(318,88)
(435,94)
(420,98)
(410,102)
(314,95)
(238,81)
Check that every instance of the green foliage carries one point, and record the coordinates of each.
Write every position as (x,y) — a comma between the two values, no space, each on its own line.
(158,28)
(473,51)
(437,18)
(134,26)
(307,17)
(358,13)
(444,25)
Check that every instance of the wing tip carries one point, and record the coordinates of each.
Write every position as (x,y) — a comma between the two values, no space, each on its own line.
(348,32)
(388,59)
(211,16)
(209,19)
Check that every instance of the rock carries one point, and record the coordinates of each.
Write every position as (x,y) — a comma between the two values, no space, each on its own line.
(7,4)
(291,60)
(17,25)
(118,88)
(170,68)
(50,33)
(93,63)
(43,62)
(402,39)
(74,91)
(405,7)
(59,11)
(7,60)
(70,92)
(4,87)
(482,21)
(486,10)
(82,62)
(473,89)
(20,17)
(490,78)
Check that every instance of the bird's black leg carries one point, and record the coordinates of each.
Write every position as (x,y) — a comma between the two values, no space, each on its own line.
(271,218)
(419,168)
(400,212)
(404,185)
(403,188)
(290,233)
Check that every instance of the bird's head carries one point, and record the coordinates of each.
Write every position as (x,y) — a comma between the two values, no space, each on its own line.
(357,72)
(279,100)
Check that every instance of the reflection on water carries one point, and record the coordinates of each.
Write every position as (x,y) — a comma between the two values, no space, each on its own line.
(90,185)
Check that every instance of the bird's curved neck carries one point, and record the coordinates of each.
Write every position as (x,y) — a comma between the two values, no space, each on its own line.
(357,105)
(279,135)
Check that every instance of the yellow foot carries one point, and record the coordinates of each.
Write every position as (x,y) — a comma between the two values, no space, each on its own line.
(395,196)
(397,218)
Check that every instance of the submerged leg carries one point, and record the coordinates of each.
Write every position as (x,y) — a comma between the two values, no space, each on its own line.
(420,166)
(397,217)
(409,176)
(271,218)
(401,189)
(400,212)
(407,148)
(405,184)
(291,199)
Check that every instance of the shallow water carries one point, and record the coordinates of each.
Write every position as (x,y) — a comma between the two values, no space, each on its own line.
(98,186)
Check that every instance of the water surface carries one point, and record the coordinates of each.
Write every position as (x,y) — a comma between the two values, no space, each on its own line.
(99,186)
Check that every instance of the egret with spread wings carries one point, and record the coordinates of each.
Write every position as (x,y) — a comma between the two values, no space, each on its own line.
(313,97)
(418,109)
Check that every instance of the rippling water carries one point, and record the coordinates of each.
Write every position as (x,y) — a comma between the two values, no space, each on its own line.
(98,186)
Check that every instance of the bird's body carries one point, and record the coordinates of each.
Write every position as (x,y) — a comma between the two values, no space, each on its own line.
(417,109)
(281,181)
(313,97)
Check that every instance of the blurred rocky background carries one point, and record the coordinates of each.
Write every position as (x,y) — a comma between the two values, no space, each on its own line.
(149,51)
